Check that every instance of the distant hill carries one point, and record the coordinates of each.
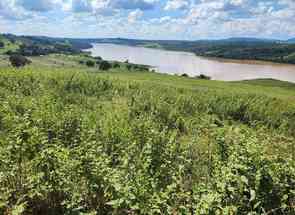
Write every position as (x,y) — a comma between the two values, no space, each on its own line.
(231,48)
(40,45)
(247,39)
(245,48)
(292,40)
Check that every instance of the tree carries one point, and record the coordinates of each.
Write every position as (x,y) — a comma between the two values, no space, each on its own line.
(105,65)
(19,61)
(1,44)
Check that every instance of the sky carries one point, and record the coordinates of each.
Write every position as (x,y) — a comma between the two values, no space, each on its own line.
(149,19)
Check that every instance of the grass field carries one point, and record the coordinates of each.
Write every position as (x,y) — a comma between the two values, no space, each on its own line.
(77,140)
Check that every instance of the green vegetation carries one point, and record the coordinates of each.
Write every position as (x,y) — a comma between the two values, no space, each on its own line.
(233,48)
(90,63)
(8,45)
(18,61)
(77,140)
(105,65)
(152,45)
(202,76)
(36,46)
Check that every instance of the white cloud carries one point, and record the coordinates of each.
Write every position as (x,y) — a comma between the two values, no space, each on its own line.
(167,19)
(176,4)
(135,15)
(9,10)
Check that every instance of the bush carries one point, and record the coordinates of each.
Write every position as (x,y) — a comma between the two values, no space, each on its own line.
(90,63)
(116,65)
(1,44)
(202,76)
(10,52)
(184,75)
(98,58)
(129,66)
(105,65)
(18,61)
(87,143)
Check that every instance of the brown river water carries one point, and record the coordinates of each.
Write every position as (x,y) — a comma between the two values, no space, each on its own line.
(173,62)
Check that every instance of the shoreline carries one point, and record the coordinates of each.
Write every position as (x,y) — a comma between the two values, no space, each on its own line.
(219,59)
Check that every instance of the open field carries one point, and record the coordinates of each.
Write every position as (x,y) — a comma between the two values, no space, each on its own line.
(77,140)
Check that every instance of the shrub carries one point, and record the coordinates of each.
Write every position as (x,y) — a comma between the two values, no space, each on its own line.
(98,58)
(18,60)
(184,75)
(90,63)
(202,76)
(1,44)
(116,65)
(105,65)
(129,66)
(10,52)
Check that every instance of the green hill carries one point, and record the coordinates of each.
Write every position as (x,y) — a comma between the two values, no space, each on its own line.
(78,140)
(8,45)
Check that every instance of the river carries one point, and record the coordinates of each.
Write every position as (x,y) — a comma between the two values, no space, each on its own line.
(173,62)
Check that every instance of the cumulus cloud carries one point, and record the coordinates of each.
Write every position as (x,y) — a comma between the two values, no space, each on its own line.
(9,9)
(110,7)
(176,4)
(135,15)
(182,18)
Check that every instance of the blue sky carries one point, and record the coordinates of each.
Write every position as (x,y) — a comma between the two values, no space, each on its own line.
(150,19)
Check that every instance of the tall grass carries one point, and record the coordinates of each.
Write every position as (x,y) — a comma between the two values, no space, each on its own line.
(73,142)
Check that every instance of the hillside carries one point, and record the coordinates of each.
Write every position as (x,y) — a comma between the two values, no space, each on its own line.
(80,140)
(231,48)
(6,45)
(38,45)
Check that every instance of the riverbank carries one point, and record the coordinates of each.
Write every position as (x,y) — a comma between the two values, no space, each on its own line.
(270,51)
(175,62)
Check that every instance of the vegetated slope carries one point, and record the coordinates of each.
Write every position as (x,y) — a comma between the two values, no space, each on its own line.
(38,45)
(6,45)
(76,141)
(269,51)
(232,48)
